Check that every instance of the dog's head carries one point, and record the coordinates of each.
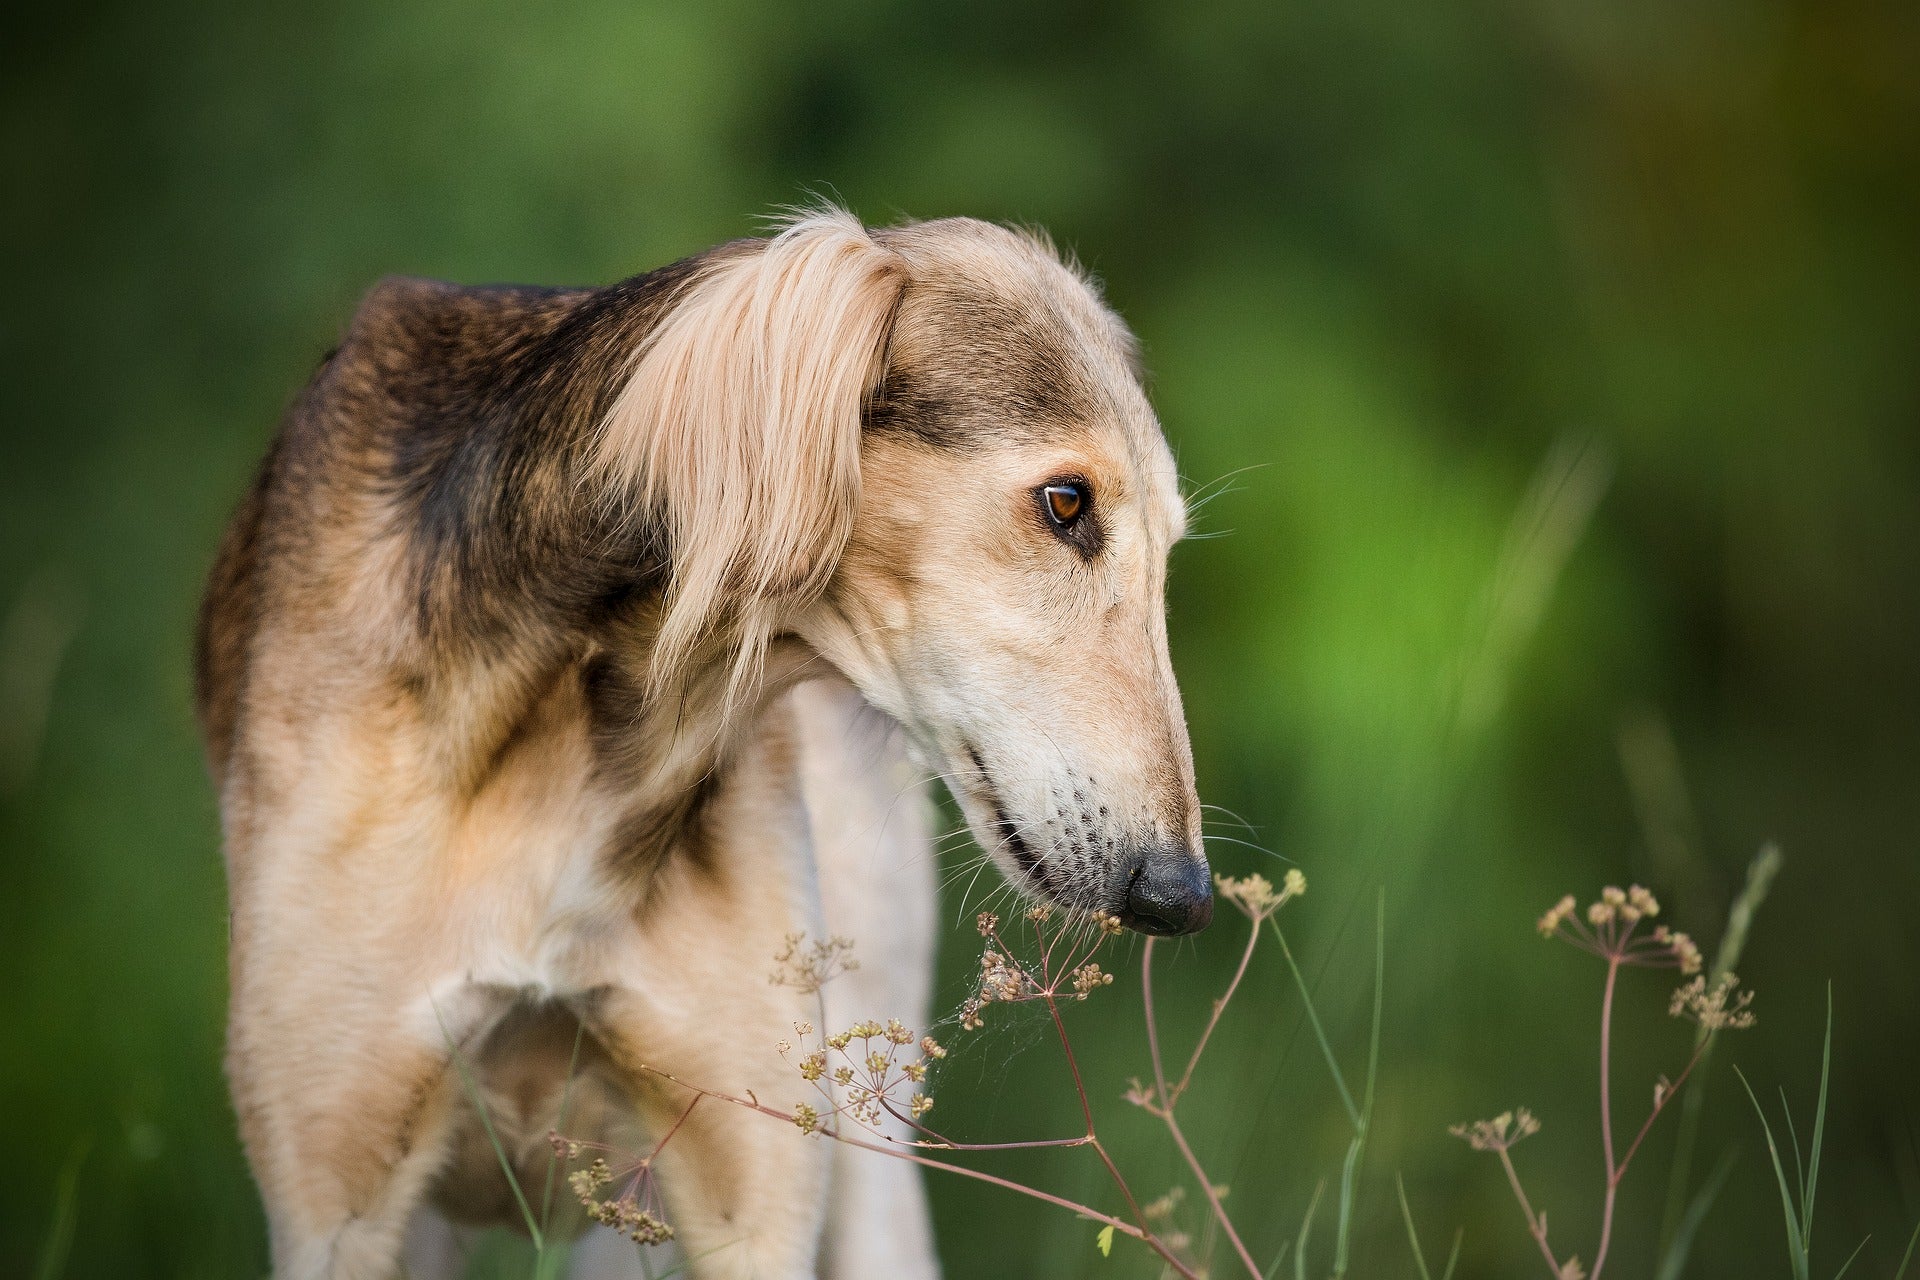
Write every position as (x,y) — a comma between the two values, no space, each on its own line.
(947,480)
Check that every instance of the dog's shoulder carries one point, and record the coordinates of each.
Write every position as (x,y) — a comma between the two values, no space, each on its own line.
(420,340)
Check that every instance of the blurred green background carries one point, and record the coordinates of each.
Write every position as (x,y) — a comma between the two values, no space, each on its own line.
(1560,363)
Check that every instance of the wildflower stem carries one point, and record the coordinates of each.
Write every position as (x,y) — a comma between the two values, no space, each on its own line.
(1086,1211)
(1213,1198)
(1167,1099)
(1535,1227)
(1699,1052)
(673,1129)
(1320,1034)
(940,1142)
(1086,1109)
(1606,1114)
(1219,1007)
(1153,1032)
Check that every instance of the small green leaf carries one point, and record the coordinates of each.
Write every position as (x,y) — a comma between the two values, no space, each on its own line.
(1105,1240)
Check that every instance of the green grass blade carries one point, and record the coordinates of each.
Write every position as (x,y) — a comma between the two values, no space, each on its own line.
(1907,1257)
(1850,1257)
(1413,1235)
(1760,876)
(550,1263)
(486,1122)
(58,1245)
(1819,1128)
(1796,1249)
(1278,1258)
(1350,1171)
(684,1263)
(1343,1222)
(560,1126)
(1453,1254)
(1306,1230)
(1673,1263)
(1319,1032)
(1793,1136)
(1379,994)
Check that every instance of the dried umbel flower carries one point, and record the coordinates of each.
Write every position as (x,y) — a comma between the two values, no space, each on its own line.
(625,1213)
(585,1182)
(808,966)
(874,1081)
(629,1219)
(1089,978)
(1500,1133)
(1255,895)
(1611,930)
(1063,967)
(1159,1209)
(1721,1007)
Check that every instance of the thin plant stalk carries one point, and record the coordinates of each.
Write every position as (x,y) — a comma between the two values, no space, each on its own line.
(1759,880)
(904,1151)
(1359,1115)
(1606,1116)
(1169,1098)
(1413,1237)
(1536,1225)
(1350,1169)
(1799,1216)
(486,1121)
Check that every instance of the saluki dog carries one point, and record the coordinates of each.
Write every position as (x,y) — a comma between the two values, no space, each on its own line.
(574,647)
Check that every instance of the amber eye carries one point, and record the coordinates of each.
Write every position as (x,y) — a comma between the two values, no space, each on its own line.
(1065,501)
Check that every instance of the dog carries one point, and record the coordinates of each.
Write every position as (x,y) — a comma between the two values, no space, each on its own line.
(574,647)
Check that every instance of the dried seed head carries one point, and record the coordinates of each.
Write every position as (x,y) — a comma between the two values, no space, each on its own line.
(1556,915)
(1721,1007)
(807,967)
(1499,1133)
(1089,978)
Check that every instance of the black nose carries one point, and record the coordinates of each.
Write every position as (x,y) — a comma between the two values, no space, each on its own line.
(1168,892)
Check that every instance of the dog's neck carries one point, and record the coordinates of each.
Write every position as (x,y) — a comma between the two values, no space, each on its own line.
(660,757)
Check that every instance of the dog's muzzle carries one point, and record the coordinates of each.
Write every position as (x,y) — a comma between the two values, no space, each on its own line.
(1167,892)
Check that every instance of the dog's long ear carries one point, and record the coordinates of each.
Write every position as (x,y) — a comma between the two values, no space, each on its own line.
(738,430)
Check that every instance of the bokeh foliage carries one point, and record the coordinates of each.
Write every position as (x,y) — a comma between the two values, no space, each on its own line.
(1566,357)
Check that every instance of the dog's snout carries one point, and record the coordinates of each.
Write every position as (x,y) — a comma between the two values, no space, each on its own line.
(1167,892)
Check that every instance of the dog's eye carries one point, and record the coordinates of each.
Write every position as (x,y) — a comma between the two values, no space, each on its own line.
(1066,500)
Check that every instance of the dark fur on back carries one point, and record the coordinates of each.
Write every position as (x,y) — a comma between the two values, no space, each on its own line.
(453,419)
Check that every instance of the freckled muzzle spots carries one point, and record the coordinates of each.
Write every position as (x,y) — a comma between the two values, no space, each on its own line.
(1077,855)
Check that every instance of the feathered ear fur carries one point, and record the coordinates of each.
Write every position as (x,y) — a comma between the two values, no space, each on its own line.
(739,429)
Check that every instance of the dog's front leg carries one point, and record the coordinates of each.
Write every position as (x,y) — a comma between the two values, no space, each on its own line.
(690,998)
(873,844)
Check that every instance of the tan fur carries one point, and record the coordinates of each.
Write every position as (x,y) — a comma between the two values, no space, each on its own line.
(746,401)
(571,723)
